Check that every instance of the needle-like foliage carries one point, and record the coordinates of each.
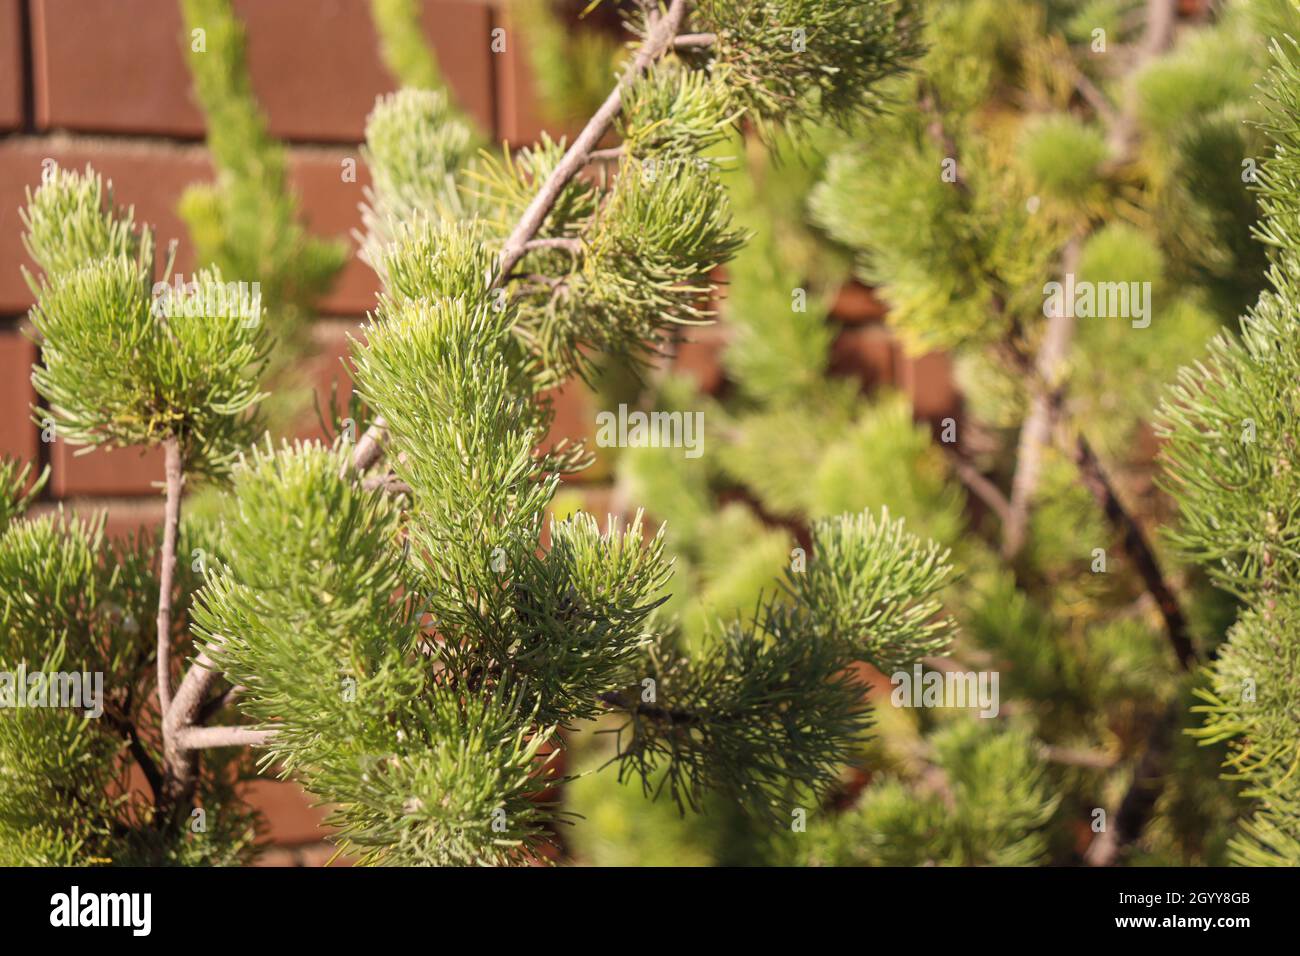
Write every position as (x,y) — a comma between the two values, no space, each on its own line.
(127,362)
(987,805)
(798,59)
(1232,465)
(77,605)
(772,704)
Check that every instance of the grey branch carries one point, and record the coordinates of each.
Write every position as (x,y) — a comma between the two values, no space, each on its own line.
(371,445)
(571,246)
(200,738)
(1158,36)
(1127,820)
(175,479)
(181,763)
(980,486)
(1037,426)
(697,41)
(389,483)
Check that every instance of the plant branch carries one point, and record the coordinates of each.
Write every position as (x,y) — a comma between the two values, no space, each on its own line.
(124,726)
(1132,538)
(1094,97)
(980,486)
(697,41)
(175,478)
(200,738)
(1156,38)
(371,445)
(935,128)
(1129,818)
(661,32)
(1048,406)
(389,483)
(571,246)
(1137,548)
(182,764)
(605,155)
(650,712)
(1036,428)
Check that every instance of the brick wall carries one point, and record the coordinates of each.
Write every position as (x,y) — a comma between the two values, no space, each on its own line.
(105,82)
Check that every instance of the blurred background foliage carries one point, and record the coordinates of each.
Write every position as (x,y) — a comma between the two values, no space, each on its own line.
(1028,95)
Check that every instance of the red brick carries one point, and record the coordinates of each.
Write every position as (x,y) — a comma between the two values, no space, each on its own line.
(151,177)
(460,31)
(80,80)
(11,66)
(856,303)
(520,117)
(575,419)
(126,516)
(327,369)
(288,810)
(700,357)
(330,208)
(597,500)
(314,63)
(928,382)
(518,114)
(19,437)
(865,353)
(103,471)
